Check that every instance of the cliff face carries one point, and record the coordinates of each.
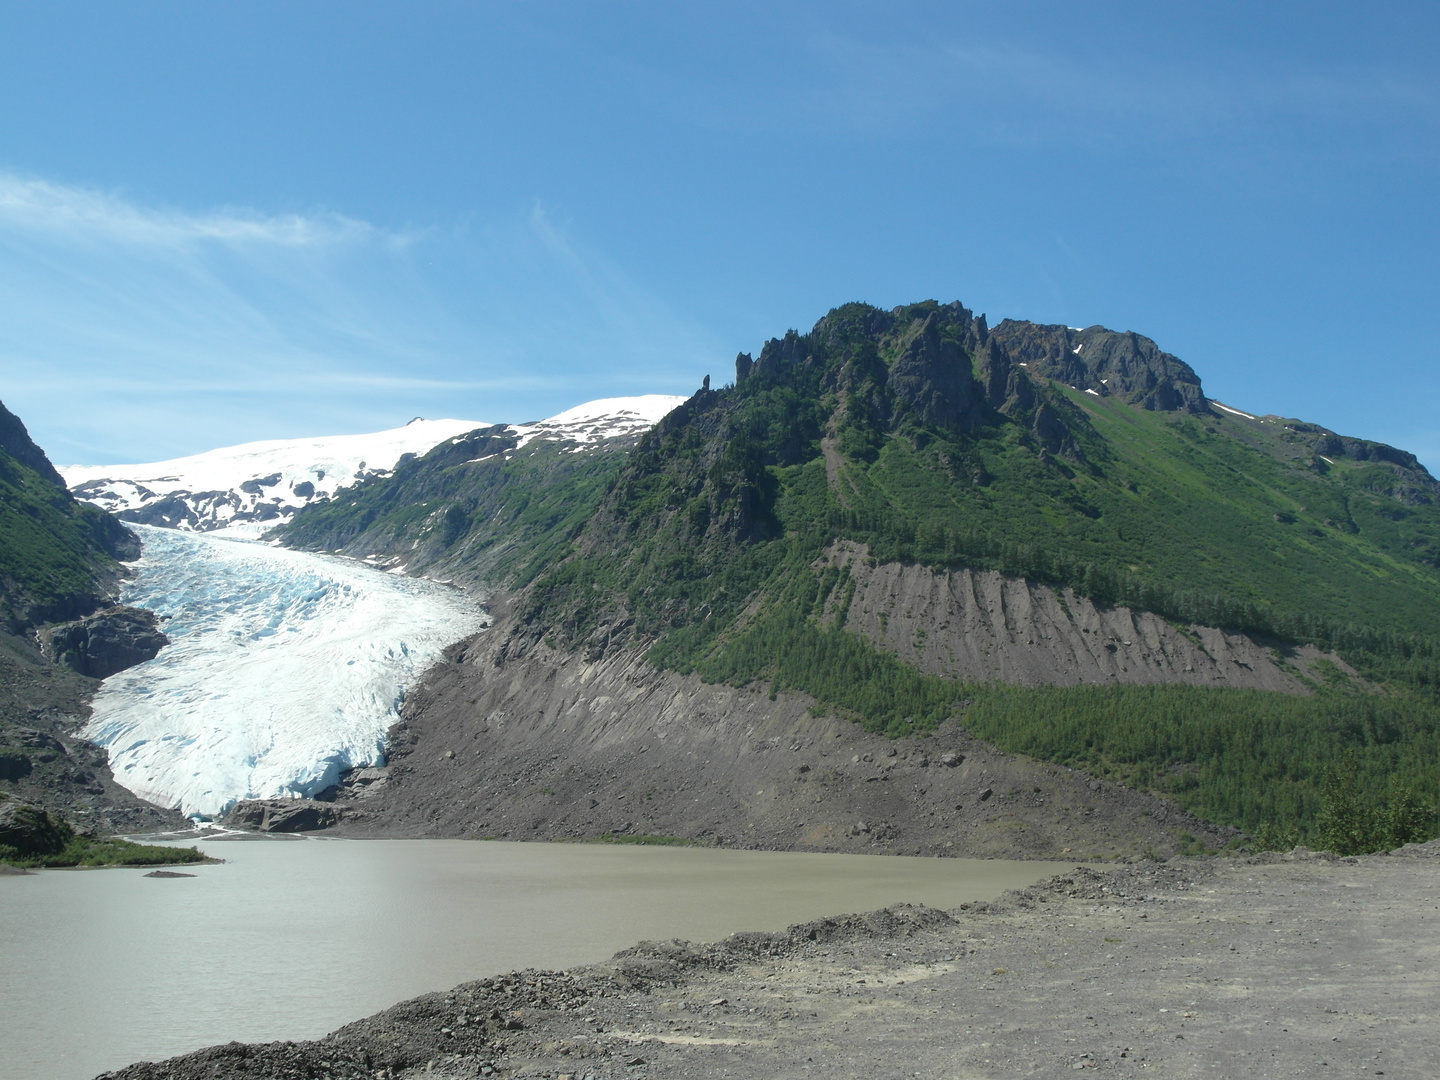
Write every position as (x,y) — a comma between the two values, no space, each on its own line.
(1124,365)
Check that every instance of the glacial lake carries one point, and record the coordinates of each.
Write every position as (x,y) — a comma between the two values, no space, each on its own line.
(289,939)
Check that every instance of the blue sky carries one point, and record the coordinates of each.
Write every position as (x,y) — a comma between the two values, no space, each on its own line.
(224,221)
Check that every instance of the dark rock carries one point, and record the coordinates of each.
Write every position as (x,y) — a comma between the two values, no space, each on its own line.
(256,486)
(283,815)
(933,376)
(743,364)
(167,874)
(168,513)
(112,640)
(15,765)
(1124,365)
(30,830)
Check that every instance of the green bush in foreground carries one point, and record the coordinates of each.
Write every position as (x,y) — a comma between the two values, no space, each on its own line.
(104,851)
(1351,822)
(32,839)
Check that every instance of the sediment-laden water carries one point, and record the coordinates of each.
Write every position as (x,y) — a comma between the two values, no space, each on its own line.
(289,939)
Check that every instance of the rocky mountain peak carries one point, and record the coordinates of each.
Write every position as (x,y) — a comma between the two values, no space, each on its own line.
(1125,365)
(16,441)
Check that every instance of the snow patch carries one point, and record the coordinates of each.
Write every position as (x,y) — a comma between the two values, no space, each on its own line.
(1228,409)
(1089,391)
(596,421)
(249,489)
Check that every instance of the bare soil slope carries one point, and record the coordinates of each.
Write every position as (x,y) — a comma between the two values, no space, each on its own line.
(547,746)
(980,625)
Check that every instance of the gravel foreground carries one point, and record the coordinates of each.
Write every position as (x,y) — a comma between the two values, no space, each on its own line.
(1275,966)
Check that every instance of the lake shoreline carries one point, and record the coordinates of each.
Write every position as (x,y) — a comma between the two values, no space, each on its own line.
(1265,966)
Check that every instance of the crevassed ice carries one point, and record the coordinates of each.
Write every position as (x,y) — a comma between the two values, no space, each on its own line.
(285,669)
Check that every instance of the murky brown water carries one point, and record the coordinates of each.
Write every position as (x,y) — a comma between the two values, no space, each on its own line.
(290,939)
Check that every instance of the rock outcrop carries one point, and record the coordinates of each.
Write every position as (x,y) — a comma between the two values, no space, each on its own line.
(282,815)
(1110,364)
(106,642)
(28,830)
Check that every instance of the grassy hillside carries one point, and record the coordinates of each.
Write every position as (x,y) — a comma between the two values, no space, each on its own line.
(477,508)
(56,555)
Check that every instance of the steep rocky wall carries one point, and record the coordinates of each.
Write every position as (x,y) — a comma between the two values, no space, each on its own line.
(981,625)
(547,746)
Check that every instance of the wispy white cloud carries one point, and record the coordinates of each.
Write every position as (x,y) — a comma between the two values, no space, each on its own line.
(80,215)
(225,326)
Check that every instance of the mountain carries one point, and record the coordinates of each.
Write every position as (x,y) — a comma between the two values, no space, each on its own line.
(251,488)
(59,572)
(57,556)
(1049,536)
(485,505)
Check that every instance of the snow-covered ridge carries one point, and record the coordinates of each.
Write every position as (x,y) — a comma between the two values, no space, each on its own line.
(596,421)
(248,489)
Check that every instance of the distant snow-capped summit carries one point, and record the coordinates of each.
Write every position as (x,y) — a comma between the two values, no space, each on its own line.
(256,486)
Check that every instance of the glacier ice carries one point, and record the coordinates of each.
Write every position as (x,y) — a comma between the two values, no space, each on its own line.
(285,669)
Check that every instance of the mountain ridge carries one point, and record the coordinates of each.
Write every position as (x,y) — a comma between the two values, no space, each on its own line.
(930,447)
(254,487)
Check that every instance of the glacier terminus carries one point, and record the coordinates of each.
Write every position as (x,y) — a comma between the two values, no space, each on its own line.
(285,669)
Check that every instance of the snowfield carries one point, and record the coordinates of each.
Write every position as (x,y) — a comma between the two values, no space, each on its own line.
(249,489)
(285,669)
(253,487)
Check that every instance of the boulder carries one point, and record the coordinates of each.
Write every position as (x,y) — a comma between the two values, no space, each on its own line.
(283,815)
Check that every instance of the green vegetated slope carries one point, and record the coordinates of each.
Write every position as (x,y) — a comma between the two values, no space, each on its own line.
(481,507)
(1088,459)
(57,555)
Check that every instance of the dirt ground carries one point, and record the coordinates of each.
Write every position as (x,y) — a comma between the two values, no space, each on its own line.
(1275,966)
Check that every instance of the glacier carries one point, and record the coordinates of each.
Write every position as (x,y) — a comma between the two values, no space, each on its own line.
(285,669)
